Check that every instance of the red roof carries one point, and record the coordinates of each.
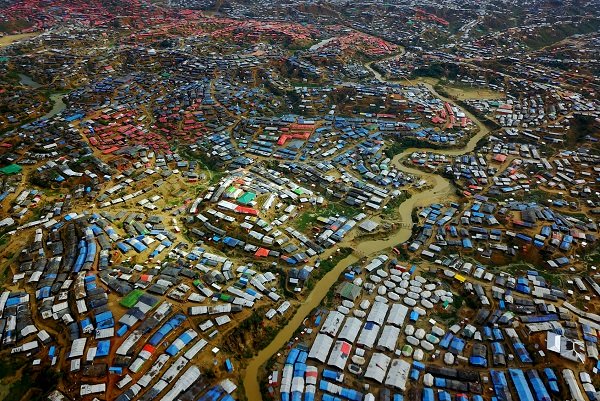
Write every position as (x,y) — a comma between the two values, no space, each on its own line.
(300,135)
(110,150)
(149,348)
(346,347)
(246,210)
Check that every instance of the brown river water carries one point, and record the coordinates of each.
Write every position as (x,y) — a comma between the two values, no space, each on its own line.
(439,189)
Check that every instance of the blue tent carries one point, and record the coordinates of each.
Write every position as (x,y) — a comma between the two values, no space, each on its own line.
(103,348)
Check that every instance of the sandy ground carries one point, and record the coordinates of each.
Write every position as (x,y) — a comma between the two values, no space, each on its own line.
(458,91)
(468,93)
(10,39)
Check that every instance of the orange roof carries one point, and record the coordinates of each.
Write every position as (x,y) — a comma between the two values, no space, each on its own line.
(264,252)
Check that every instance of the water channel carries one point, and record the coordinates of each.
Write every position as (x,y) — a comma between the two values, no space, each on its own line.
(56,98)
(439,189)
(322,43)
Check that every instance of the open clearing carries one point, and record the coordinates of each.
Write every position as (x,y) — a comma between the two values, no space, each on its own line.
(10,39)
(468,93)
(459,91)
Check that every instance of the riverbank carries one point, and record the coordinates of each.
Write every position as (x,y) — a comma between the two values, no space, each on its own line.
(451,93)
(26,80)
(58,105)
(440,189)
(56,98)
(319,292)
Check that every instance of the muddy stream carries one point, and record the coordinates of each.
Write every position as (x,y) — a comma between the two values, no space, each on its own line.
(58,105)
(438,189)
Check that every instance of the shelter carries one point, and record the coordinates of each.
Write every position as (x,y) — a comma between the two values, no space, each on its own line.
(11,169)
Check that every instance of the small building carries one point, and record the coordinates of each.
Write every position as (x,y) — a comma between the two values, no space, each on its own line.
(348,291)
(11,169)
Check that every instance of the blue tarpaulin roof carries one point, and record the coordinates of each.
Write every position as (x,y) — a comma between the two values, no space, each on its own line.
(100,317)
(103,348)
(518,379)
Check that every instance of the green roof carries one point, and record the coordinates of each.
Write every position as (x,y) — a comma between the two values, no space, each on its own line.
(246,198)
(11,169)
(131,298)
(349,291)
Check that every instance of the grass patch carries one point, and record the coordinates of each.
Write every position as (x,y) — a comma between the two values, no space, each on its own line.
(515,268)
(401,144)
(550,278)
(33,384)
(449,318)
(593,258)
(9,367)
(535,195)
(394,204)
(547,36)
(328,302)
(581,216)
(308,219)
(174,202)
(583,126)
(19,388)
(457,301)
(252,335)
(216,177)
(327,265)
(283,285)
(209,163)
(520,269)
